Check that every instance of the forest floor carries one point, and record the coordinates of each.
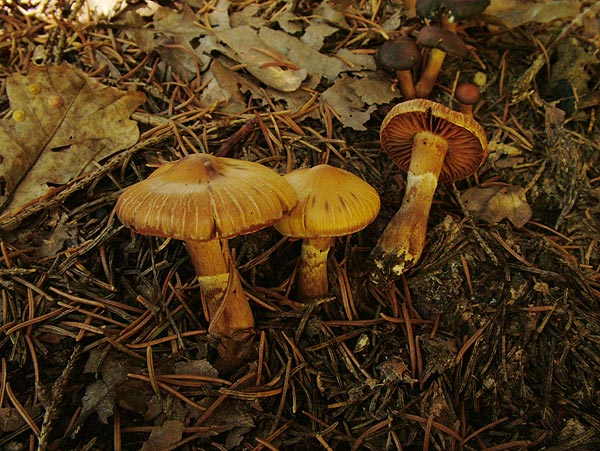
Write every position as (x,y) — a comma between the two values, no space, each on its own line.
(492,340)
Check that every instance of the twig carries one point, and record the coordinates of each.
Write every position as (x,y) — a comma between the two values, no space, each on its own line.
(59,388)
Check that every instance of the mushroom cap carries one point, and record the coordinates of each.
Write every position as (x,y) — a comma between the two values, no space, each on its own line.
(331,202)
(467,143)
(467,93)
(202,197)
(401,53)
(436,37)
(456,9)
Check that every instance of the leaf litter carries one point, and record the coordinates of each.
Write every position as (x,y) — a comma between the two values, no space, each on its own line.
(490,343)
(493,204)
(62,123)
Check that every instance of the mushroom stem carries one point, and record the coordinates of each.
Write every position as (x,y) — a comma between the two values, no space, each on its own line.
(401,244)
(430,73)
(312,275)
(406,84)
(226,303)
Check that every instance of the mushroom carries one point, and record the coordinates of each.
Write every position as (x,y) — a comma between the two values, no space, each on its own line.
(440,42)
(332,202)
(204,200)
(450,11)
(467,94)
(431,142)
(399,56)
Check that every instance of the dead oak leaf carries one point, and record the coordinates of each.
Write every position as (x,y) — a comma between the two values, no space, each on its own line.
(494,203)
(63,121)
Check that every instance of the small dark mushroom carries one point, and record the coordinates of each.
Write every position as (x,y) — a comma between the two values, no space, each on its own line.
(440,42)
(400,56)
(467,94)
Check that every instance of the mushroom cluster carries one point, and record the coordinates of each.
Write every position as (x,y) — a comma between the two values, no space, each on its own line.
(430,142)
(204,200)
(401,55)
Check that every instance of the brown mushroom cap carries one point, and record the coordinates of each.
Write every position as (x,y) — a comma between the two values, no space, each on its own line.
(467,93)
(202,197)
(467,143)
(401,53)
(436,37)
(331,202)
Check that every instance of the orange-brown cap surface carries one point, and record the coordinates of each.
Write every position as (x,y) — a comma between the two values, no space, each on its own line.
(467,143)
(202,197)
(331,202)
(467,93)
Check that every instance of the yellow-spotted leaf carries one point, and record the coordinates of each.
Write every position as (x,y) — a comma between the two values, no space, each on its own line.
(62,123)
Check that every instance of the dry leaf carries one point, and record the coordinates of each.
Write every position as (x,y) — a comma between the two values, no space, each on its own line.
(498,202)
(441,355)
(170,34)
(314,62)
(315,34)
(113,386)
(63,121)
(348,106)
(222,86)
(164,436)
(99,398)
(97,10)
(229,88)
(501,155)
(570,66)
(251,16)
(234,416)
(272,67)
(374,89)
(274,57)
(200,367)
(333,14)
(63,232)
(218,17)
(513,13)
(11,420)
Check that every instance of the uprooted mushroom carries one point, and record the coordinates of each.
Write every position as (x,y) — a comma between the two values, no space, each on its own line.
(431,142)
